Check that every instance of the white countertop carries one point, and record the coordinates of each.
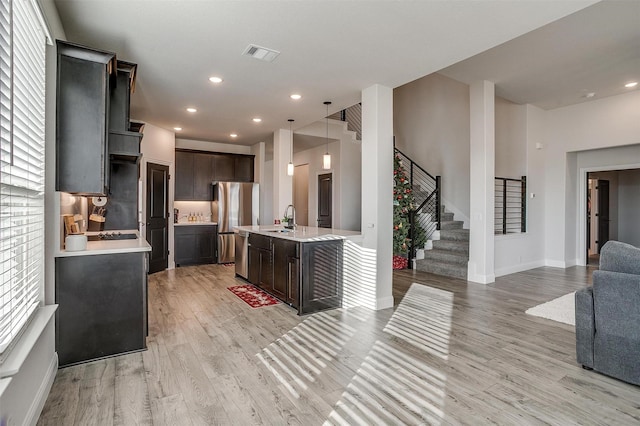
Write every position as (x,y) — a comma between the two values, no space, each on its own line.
(194,223)
(303,233)
(140,244)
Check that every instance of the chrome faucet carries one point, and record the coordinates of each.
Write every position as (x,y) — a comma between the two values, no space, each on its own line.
(291,220)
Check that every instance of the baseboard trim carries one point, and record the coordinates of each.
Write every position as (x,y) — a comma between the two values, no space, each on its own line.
(43,392)
(481,279)
(519,268)
(560,263)
(384,303)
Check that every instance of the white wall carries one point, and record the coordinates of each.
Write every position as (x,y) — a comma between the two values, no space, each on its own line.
(266,202)
(511,139)
(346,167)
(604,123)
(629,206)
(212,146)
(431,126)
(23,399)
(158,146)
(519,252)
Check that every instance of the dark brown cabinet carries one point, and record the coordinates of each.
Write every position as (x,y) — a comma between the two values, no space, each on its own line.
(102,306)
(184,176)
(306,275)
(202,177)
(195,244)
(261,261)
(197,170)
(85,78)
(285,270)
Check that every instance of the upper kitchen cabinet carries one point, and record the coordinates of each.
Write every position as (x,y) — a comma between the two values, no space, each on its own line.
(85,78)
(243,168)
(197,170)
(121,96)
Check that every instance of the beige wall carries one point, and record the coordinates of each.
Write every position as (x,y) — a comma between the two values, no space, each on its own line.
(431,125)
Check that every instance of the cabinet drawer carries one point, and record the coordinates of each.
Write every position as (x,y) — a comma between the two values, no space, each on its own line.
(260,241)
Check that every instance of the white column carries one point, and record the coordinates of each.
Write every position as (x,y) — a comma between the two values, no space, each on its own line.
(282,184)
(258,175)
(377,186)
(481,188)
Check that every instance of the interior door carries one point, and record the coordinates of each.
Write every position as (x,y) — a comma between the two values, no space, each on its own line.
(158,216)
(603,213)
(325,219)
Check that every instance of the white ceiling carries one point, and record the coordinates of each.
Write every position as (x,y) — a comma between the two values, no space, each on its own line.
(595,50)
(330,50)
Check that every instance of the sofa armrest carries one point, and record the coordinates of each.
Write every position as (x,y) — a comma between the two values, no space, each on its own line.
(585,326)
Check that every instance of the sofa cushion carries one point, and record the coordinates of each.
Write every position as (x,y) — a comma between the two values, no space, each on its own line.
(620,257)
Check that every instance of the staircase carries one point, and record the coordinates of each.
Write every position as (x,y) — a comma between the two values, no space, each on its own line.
(450,254)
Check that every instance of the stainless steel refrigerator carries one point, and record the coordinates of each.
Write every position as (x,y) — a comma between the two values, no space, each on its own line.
(234,204)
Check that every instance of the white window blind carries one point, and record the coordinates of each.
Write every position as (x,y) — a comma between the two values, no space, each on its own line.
(22,109)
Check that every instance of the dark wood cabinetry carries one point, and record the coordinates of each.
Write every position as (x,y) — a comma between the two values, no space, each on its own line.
(285,270)
(197,170)
(85,78)
(102,306)
(261,261)
(195,244)
(306,275)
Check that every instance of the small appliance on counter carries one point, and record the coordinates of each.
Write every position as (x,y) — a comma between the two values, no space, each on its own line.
(176,215)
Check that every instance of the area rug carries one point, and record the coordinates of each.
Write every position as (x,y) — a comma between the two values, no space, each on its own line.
(562,309)
(253,296)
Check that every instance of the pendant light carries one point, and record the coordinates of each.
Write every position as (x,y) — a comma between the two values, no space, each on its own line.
(326,158)
(290,165)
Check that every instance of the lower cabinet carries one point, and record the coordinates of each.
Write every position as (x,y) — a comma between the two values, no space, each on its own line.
(306,275)
(102,306)
(195,244)
(261,262)
(285,270)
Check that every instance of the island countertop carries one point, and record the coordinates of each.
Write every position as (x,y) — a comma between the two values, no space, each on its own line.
(302,233)
(139,244)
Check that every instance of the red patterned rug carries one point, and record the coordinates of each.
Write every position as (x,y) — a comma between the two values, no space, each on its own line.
(253,296)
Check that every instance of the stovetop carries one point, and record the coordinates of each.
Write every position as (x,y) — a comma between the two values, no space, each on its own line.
(104,236)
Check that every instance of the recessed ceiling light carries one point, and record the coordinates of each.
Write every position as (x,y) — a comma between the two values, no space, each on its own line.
(177,129)
(233,135)
(590,95)
(215,79)
(631,84)
(257,120)
(191,110)
(295,96)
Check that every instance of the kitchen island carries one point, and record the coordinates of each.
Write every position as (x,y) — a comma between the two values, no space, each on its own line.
(102,298)
(302,267)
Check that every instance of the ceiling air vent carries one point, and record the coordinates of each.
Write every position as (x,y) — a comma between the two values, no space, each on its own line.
(261,53)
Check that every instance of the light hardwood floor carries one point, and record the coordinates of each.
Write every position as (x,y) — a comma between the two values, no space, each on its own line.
(450,352)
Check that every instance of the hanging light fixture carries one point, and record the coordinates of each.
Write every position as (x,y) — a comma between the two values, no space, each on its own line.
(326,158)
(290,165)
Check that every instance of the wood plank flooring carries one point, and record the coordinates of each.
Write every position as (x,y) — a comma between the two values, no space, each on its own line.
(450,352)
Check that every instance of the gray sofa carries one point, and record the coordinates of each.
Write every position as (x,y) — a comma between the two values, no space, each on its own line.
(608,315)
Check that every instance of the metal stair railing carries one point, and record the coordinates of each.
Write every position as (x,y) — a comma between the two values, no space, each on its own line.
(425,217)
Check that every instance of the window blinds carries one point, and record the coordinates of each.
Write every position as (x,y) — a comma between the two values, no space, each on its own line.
(22,111)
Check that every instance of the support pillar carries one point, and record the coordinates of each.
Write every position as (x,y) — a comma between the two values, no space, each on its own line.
(482,186)
(377,186)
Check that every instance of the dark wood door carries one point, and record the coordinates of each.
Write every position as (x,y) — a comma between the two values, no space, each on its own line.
(243,168)
(284,253)
(224,165)
(158,216)
(203,177)
(603,213)
(184,175)
(325,219)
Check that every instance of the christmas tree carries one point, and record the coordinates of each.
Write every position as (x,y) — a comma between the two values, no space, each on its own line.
(403,200)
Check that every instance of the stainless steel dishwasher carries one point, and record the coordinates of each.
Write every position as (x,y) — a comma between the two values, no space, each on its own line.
(242,254)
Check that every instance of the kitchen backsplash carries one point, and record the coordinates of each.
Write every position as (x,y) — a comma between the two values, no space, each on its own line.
(193,207)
